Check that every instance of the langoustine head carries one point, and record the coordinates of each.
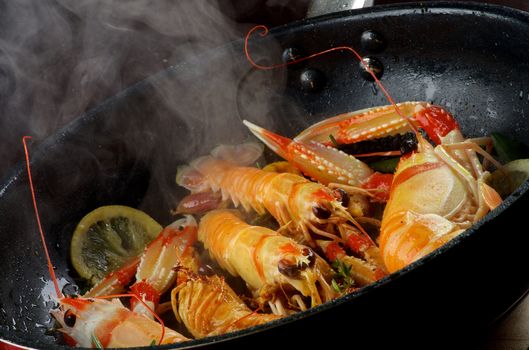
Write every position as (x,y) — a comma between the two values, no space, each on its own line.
(91,322)
(319,210)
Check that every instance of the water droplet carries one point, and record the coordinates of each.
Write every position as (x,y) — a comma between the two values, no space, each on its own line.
(312,80)
(521,94)
(372,41)
(70,289)
(374,88)
(374,64)
(291,54)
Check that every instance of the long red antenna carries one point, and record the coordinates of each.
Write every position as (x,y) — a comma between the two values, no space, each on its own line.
(37,216)
(264,32)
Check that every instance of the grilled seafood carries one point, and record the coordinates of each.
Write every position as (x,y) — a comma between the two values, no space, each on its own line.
(437,192)
(92,322)
(267,261)
(206,304)
(109,323)
(154,270)
(365,124)
(95,322)
(321,162)
(300,206)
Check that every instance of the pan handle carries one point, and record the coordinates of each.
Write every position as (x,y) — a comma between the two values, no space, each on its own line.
(323,7)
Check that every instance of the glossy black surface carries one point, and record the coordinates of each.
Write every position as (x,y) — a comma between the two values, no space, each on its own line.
(469,58)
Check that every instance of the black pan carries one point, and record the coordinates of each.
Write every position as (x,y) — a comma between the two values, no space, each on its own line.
(471,58)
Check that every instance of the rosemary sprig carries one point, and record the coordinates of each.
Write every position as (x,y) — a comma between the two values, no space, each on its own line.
(342,279)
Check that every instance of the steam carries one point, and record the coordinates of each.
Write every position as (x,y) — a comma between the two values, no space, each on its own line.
(60,58)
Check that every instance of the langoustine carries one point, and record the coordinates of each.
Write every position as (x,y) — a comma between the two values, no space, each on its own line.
(301,207)
(304,209)
(154,271)
(437,192)
(93,322)
(97,322)
(270,264)
(207,305)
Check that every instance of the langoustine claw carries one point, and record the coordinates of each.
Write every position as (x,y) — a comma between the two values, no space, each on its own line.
(324,164)
(154,269)
(437,192)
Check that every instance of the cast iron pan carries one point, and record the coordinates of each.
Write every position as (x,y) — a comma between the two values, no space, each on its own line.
(470,58)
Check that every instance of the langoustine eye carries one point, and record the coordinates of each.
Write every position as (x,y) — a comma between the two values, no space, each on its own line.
(292,269)
(321,212)
(69,318)
(288,268)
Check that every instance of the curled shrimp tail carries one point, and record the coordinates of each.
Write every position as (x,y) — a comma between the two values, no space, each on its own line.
(208,306)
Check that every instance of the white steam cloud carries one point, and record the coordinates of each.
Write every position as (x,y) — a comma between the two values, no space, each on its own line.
(59,58)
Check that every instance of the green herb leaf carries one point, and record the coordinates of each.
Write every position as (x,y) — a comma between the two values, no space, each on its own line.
(96,341)
(333,140)
(508,149)
(153,343)
(387,166)
(343,275)
(335,286)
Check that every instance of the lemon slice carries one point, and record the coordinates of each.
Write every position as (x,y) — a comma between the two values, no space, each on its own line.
(108,237)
